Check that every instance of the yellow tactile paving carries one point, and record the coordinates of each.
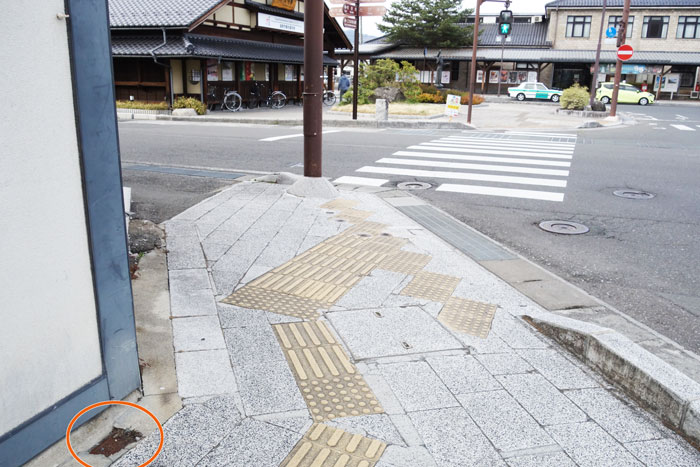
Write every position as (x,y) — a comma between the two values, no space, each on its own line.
(331,385)
(321,291)
(432,286)
(366,227)
(405,261)
(326,446)
(340,204)
(269,300)
(468,316)
(353,215)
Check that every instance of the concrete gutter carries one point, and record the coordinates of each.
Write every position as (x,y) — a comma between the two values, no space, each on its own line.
(647,379)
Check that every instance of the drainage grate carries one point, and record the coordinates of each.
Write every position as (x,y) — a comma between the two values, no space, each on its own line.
(413,186)
(633,194)
(563,227)
(469,242)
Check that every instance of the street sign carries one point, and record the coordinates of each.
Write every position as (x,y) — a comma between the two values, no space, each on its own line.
(364,11)
(610,32)
(350,22)
(625,52)
(349,9)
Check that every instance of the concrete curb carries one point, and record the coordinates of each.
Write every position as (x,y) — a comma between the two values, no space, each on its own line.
(653,383)
(348,123)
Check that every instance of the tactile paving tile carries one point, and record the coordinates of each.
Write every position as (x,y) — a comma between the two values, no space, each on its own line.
(321,291)
(353,216)
(432,286)
(331,385)
(468,316)
(340,204)
(405,262)
(369,227)
(269,300)
(326,446)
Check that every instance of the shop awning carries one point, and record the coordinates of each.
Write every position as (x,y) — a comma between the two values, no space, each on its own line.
(209,47)
(535,55)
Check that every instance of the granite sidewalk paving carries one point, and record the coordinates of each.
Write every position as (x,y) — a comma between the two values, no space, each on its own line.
(331,333)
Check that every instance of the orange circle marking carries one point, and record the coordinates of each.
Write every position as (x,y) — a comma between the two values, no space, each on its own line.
(100,404)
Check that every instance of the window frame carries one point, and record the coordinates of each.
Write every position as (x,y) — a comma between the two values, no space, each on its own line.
(615,20)
(572,21)
(684,24)
(664,27)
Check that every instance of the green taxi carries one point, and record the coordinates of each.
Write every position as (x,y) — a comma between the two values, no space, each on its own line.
(628,94)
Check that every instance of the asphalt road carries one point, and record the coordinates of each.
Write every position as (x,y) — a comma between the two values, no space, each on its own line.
(641,256)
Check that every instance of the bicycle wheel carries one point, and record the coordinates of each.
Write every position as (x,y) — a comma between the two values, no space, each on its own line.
(329,98)
(233,101)
(278,100)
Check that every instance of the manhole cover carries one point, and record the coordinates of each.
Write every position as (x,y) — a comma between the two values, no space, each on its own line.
(563,227)
(633,194)
(413,186)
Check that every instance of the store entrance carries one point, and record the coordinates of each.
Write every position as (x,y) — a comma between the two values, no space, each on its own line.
(566,75)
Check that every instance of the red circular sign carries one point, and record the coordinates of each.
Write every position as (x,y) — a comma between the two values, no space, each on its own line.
(625,52)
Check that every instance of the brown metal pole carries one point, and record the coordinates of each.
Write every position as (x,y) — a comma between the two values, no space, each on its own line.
(313,85)
(621,36)
(356,59)
(596,67)
(472,66)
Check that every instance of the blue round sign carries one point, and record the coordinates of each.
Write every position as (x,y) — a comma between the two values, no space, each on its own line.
(610,32)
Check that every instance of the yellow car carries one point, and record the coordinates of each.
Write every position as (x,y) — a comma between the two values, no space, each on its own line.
(628,94)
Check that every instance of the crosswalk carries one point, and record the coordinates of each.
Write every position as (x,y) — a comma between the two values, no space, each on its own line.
(528,165)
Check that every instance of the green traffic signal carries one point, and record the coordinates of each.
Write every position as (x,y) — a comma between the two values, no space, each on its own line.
(505,29)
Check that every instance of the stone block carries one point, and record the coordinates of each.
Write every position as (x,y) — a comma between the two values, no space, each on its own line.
(416,386)
(197,333)
(463,374)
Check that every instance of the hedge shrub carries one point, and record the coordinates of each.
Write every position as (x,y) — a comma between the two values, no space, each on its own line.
(574,98)
(142,105)
(190,103)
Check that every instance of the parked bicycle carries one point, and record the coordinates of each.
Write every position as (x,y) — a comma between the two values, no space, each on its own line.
(276,99)
(328,98)
(233,101)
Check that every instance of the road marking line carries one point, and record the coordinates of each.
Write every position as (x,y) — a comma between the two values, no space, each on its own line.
(505,192)
(460,157)
(463,176)
(277,138)
(548,135)
(491,151)
(484,167)
(360,181)
(683,127)
(512,141)
(469,144)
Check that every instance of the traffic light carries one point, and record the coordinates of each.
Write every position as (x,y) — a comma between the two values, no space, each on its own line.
(505,22)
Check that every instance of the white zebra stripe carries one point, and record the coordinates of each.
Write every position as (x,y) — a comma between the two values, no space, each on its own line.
(499,146)
(463,176)
(461,157)
(484,167)
(491,151)
(496,191)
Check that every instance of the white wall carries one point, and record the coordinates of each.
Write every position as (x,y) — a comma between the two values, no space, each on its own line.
(49,343)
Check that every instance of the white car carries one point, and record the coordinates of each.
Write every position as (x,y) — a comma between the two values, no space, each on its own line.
(534,91)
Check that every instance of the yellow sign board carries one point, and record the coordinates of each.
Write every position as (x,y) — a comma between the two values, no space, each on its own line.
(284,4)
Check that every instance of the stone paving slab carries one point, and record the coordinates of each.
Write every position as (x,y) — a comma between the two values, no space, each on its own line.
(506,397)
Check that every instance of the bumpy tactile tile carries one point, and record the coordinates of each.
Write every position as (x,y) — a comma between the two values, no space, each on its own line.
(331,385)
(405,262)
(353,216)
(269,300)
(340,204)
(432,286)
(468,316)
(374,228)
(326,446)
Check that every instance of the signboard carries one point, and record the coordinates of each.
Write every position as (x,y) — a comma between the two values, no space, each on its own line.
(284,4)
(669,83)
(631,69)
(625,52)
(349,9)
(364,11)
(212,69)
(350,22)
(445,78)
(289,72)
(479,76)
(280,24)
(227,71)
(452,104)
(610,32)
(532,76)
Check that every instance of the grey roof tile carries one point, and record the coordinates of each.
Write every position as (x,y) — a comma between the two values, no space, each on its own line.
(157,13)
(523,35)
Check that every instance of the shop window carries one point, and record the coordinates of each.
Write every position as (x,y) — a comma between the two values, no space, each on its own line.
(578,26)
(687,80)
(655,27)
(688,27)
(616,21)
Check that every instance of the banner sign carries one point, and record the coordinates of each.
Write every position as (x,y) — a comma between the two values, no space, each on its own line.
(340,2)
(284,4)
(630,69)
(279,23)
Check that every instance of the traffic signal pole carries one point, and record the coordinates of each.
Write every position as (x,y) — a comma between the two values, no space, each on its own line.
(472,65)
(621,36)
(355,58)
(313,88)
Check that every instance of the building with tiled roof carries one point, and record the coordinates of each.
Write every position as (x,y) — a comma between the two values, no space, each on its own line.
(164,49)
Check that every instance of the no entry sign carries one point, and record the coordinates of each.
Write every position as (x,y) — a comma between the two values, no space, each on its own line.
(625,52)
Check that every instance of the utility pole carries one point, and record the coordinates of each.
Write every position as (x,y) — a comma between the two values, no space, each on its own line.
(621,36)
(472,65)
(596,67)
(356,57)
(313,88)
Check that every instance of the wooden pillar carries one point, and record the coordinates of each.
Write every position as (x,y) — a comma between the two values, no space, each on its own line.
(168,85)
(203,81)
(184,77)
